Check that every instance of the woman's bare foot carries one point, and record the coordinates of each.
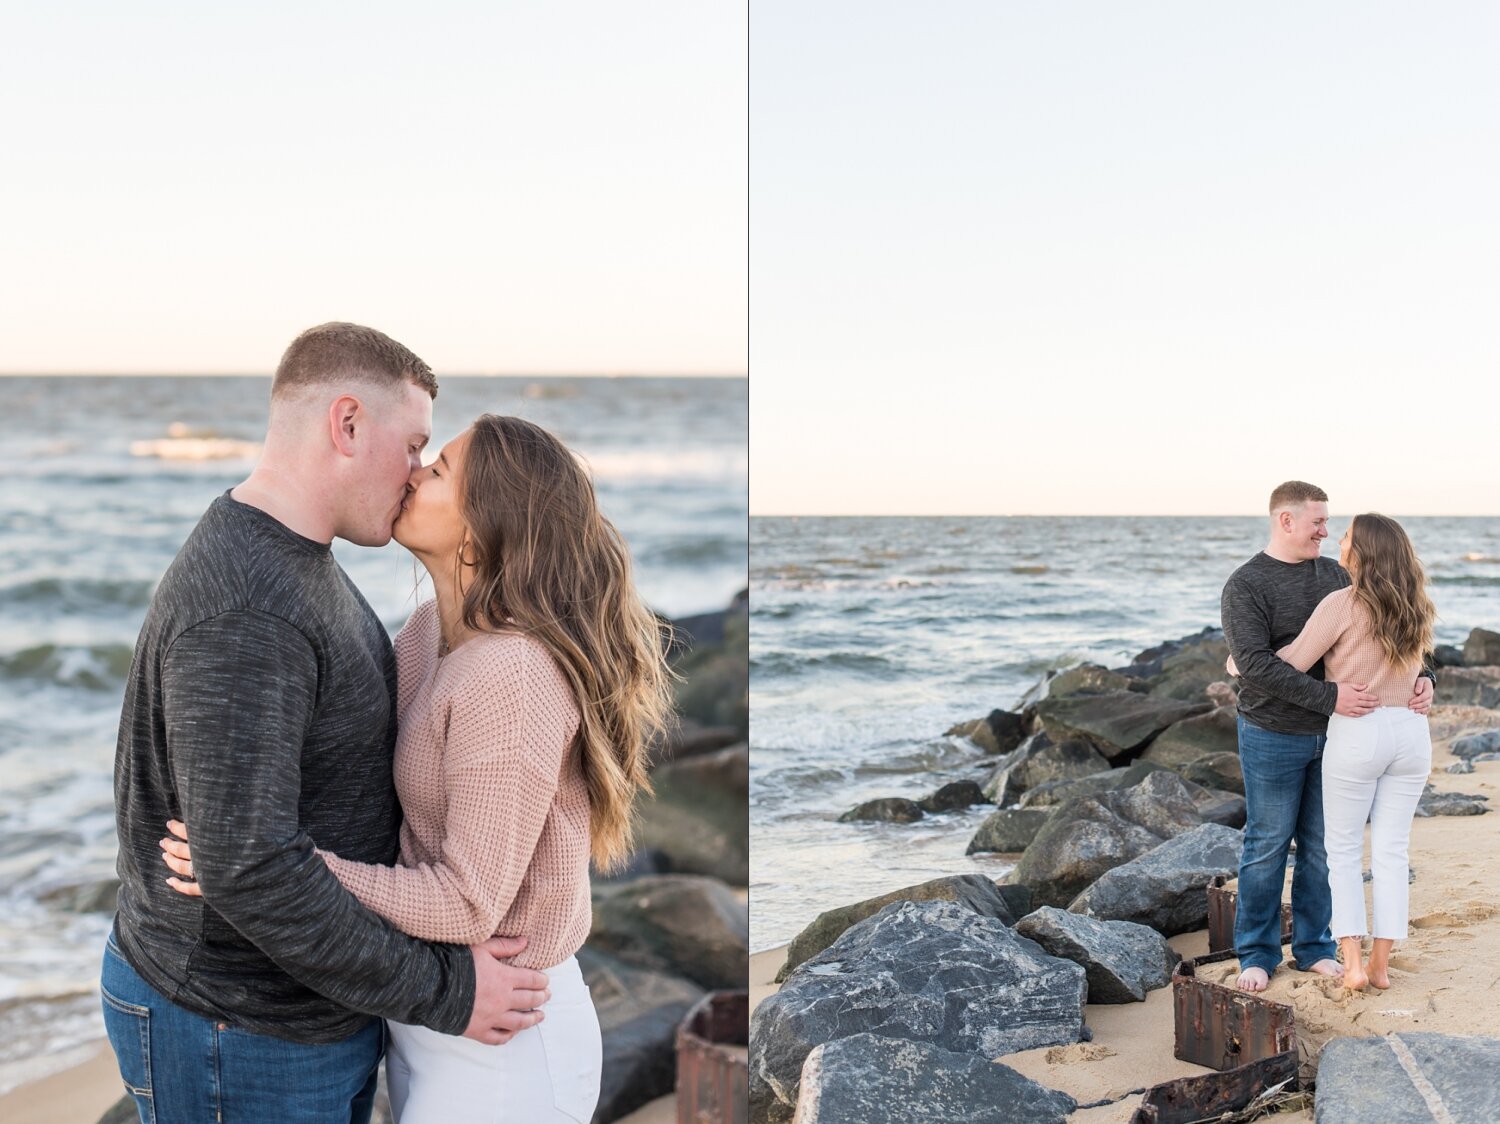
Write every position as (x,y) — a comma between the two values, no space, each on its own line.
(1253,979)
(1350,950)
(1380,962)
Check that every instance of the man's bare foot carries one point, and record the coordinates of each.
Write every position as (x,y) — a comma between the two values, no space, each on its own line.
(1253,979)
(1327,967)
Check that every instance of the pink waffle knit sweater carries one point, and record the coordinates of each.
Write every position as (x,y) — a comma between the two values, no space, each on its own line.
(496,831)
(1338,632)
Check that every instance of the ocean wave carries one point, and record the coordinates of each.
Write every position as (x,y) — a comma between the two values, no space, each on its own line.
(657,464)
(184,444)
(787,663)
(97,667)
(1475,556)
(78,594)
(1464,579)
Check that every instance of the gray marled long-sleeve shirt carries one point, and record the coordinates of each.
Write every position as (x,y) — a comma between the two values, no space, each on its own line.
(1264,606)
(260,710)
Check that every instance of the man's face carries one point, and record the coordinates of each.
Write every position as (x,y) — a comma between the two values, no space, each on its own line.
(1305,526)
(397,427)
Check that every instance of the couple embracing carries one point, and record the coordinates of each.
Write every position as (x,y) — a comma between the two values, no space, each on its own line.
(1333,701)
(377,849)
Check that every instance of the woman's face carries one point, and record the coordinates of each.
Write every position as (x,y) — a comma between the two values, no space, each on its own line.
(1346,548)
(431,521)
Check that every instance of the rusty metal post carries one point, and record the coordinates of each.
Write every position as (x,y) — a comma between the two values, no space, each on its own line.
(1221,1027)
(713,1066)
(1207,1096)
(1222,906)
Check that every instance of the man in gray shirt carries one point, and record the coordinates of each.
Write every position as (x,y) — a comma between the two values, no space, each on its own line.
(261,710)
(1283,719)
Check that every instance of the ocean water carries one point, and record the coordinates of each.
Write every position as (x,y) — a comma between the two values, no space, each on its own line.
(109,478)
(870,637)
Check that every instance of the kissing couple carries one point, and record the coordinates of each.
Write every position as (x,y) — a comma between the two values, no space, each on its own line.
(377,849)
(1334,692)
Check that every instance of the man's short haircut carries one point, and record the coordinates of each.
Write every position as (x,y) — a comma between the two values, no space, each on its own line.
(1294,493)
(337,352)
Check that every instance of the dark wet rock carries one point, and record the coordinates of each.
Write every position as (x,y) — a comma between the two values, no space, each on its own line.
(684,925)
(1065,761)
(714,662)
(639,1011)
(1227,808)
(1000,731)
(1006,782)
(1187,674)
(1194,738)
(895,975)
(1090,835)
(1361,1080)
(1123,960)
(1434,803)
(1009,831)
(1473,745)
(971,890)
(1460,767)
(1089,679)
(1218,770)
(1053,793)
(1149,662)
(1166,888)
(699,817)
(958,794)
(1116,723)
(1482,648)
(1468,686)
(1447,655)
(888,809)
(869,1079)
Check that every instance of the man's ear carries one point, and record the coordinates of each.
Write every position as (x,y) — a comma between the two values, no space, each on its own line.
(345,419)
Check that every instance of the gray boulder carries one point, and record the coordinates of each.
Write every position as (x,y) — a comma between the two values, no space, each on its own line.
(896,975)
(1089,679)
(1004,784)
(1053,793)
(1064,761)
(1468,686)
(1472,745)
(1218,770)
(950,797)
(639,1011)
(1482,648)
(680,924)
(1367,1079)
(971,890)
(1115,723)
(1460,767)
(1166,888)
(699,817)
(1090,835)
(1009,831)
(1447,655)
(1122,960)
(1434,803)
(867,1079)
(1187,673)
(1195,738)
(888,809)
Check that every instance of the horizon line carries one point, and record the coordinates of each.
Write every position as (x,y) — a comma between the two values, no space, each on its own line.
(1088,515)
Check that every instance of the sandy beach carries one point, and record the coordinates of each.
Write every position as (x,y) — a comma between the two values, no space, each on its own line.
(1444,978)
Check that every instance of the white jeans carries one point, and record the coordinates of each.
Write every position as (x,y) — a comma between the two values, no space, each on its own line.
(1374,767)
(547,1074)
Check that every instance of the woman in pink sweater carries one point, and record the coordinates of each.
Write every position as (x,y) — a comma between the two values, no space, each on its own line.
(528,690)
(1373,631)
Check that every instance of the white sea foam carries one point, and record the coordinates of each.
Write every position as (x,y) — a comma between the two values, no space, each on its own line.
(196,449)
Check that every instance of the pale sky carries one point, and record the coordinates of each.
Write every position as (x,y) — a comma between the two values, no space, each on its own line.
(1123,258)
(527,187)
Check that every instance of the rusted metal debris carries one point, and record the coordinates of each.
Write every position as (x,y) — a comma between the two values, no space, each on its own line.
(1222,906)
(713,1067)
(1221,1027)
(1208,1096)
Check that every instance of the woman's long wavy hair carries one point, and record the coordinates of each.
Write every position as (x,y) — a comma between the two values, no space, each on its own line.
(547,563)
(1389,583)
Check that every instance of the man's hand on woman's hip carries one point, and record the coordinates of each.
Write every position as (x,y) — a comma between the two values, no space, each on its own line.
(506,998)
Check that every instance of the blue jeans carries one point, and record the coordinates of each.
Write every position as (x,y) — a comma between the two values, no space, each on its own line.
(1283,801)
(183,1068)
